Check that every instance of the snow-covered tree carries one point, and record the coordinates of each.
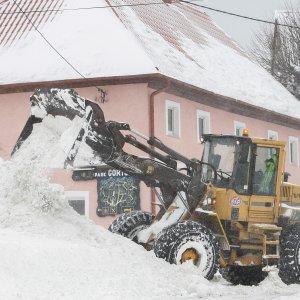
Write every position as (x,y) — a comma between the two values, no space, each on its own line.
(277,48)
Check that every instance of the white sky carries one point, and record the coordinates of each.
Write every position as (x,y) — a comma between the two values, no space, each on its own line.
(241,29)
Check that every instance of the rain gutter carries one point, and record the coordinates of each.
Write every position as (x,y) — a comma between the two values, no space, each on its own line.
(152,97)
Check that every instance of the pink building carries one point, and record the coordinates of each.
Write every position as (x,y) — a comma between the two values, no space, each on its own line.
(166,69)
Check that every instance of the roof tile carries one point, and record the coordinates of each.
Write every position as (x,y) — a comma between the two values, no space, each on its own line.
(15,25)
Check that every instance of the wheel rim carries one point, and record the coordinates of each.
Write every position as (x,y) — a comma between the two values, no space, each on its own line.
(192,255)
(196,253)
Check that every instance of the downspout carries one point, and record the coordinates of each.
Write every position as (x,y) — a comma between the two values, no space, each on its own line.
(152,126)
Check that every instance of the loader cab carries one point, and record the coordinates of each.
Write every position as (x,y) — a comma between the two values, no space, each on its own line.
(230,157)
(247,166)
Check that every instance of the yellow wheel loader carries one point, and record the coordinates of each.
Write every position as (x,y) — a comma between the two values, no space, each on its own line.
(229,209)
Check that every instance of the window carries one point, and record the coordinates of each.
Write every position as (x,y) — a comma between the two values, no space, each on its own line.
(265,171)
(293,150)
(172,118)
(219,153)
(79,200)
(238,128)
(242,169)
(203,123)
(272,135)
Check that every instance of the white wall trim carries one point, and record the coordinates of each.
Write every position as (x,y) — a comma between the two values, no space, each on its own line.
(293,139)
(206,116)
(238,125)
(272,133)
(176,106)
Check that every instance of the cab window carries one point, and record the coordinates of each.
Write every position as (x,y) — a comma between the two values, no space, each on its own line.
(242,173)
(265,170)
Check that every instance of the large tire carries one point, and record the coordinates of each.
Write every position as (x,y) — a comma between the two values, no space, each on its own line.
(129,224)
(245,275)
(289,264)
(188,240)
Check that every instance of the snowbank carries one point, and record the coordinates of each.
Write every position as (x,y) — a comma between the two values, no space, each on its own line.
(48,251)
(38,266)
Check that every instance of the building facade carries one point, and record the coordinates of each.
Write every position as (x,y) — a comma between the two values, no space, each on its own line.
(179,122)
(167,70)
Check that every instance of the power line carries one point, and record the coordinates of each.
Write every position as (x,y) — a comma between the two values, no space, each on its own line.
(112,6)
(81,8)
(54,49)
(147,4)
(35,27)
(238,15)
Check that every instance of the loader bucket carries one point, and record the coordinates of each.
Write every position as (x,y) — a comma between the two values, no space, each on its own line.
(66,103)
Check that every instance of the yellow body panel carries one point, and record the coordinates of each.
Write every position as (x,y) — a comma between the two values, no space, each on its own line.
(231,206)
(290,202)
(255,216)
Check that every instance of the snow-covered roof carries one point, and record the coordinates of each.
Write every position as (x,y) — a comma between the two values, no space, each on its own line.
(175,40)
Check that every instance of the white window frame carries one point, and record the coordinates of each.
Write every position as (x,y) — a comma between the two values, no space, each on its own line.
(80,195)
(239,125)
(271,134)
(205,115)
(176,109)
(295,161)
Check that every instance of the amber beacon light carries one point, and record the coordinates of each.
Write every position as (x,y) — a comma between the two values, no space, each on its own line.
(245,132)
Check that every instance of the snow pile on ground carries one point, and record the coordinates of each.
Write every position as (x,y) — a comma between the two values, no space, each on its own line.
(48,251)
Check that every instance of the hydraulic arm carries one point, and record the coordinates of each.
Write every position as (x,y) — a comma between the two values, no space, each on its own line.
(106,139)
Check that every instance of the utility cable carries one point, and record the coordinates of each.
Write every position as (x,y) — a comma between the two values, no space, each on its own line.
(146,4)
(53,48)
(238,15)
(82,8)
(44,38)
(112,6)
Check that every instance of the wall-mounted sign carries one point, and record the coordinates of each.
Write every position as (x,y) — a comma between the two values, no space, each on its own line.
(94,173)
(117,191)
(117,195)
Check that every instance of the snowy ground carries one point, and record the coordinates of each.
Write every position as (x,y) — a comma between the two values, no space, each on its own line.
(65,259)
(49,252)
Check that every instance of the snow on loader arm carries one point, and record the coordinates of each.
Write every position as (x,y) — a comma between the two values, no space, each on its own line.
(180,192)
